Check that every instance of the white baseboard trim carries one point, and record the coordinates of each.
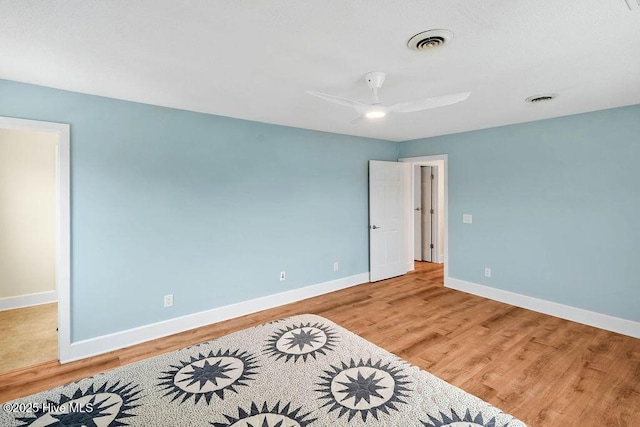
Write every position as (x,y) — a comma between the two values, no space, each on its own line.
(94,346)
(20,301)
(579,315)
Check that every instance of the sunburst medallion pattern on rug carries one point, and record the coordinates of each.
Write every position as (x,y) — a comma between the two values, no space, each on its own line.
(303,371)
(107,405)
(444,420)
(208,375)
(277,415)
(363,388)
(301,340)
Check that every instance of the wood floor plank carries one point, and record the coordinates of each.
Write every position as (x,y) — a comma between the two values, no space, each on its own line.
(543,370)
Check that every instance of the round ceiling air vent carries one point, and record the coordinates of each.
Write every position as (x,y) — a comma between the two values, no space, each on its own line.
(429,39)
(541,98)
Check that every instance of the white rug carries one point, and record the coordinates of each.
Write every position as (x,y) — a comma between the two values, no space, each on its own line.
(295,372)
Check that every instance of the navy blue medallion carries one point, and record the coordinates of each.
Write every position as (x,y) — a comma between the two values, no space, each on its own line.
(208,375)
(363,388)
(301,341)
(264,416)
(456,421)
(96,407)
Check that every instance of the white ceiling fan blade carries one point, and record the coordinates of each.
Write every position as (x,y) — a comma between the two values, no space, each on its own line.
(357,119)
(338,100)
(425,104)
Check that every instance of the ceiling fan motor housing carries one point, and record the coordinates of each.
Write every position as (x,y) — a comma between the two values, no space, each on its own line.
(375,79)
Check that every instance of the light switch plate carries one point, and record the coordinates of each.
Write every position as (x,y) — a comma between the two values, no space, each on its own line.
(467,218)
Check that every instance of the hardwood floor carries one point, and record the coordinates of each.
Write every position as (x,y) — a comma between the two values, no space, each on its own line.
(28,336)
(543,370)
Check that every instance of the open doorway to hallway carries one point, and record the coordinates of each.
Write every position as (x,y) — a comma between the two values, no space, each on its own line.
(428,228)
(429,204)
(429,211)
(28,291)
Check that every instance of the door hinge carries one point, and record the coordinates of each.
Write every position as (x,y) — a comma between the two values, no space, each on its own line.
(431,246)
(431,212)
(432,177)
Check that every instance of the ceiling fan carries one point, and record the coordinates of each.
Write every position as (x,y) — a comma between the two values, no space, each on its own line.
(376,110)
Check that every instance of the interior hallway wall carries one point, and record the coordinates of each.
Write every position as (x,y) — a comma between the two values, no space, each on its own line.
(27,212)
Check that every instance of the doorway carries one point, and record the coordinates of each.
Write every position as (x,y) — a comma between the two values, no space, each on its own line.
(436,223)
(35,251)
(426,230)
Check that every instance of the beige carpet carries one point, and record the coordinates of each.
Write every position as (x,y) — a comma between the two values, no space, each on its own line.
(28,336)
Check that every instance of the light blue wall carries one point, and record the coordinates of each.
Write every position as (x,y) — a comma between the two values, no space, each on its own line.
(208,208)
(555,205)
(211,209)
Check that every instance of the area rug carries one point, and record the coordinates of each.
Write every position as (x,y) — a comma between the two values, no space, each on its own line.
(295,372)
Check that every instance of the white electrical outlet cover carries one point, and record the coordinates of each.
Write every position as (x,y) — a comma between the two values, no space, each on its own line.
(168,300)
(467,218)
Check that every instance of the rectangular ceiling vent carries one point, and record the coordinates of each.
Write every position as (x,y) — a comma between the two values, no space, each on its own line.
(633,4)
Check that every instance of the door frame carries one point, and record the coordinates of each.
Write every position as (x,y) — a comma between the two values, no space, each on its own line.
(433,160)
(62,222)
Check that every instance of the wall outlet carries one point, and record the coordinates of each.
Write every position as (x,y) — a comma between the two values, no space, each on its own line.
(487,272)
(283,275)
(336,266)
(168,300)
(467,218)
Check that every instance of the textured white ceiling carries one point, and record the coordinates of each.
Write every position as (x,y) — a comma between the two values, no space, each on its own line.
(254,59)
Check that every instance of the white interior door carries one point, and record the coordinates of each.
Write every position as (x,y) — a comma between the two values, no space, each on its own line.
(388,196)
(427,213)
(417,213)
